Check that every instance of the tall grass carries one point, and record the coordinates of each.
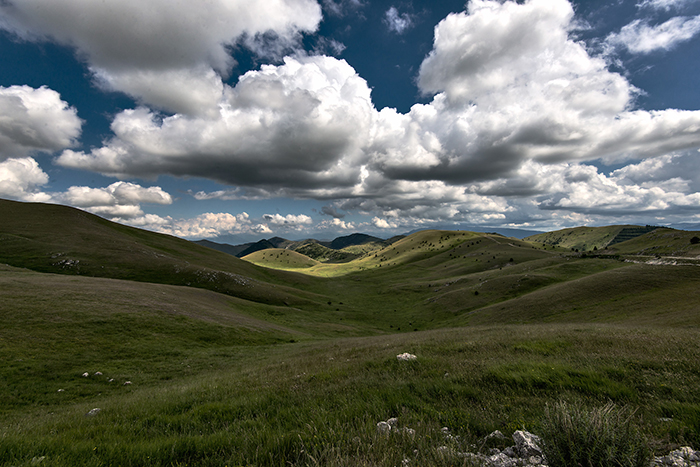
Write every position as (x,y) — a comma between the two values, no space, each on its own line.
(601,437)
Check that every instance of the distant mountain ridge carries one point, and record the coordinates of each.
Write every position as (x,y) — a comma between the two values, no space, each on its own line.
(311,247)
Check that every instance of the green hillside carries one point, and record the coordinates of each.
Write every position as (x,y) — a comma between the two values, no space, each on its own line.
(588,238)
(661,242)
(280,259)
(295,363)
(59,239)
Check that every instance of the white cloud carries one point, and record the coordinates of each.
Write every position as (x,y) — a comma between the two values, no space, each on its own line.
(23,179)
(663,4)
(640,37)
(35,120)
(206,225)
(299,124)
(20,178)
(288,220)
(336,224)
(383,223)
(170,54)
(512,86)
(518,107)
(397,22)
(118,200)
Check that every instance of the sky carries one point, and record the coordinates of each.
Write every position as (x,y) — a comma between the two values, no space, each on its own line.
(236,120)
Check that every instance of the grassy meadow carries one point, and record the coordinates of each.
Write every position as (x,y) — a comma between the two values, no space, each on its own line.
(194,357)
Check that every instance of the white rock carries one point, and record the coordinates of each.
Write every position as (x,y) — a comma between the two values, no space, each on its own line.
(86,374)
(126,383)
(93,412)
(98,373)
(383,428)
(527,444)
(393,421)
(501,460)
(406,357)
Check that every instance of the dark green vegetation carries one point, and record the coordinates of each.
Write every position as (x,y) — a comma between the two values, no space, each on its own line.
(235,364)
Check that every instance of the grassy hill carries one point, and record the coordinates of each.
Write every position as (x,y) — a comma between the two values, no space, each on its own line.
(59,239)
(589,238)
(231,363)
(661,242)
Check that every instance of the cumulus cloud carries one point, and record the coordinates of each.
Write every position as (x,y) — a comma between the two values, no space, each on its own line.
(336,224)
(510,86)
(207,225)
(21,179)
(301,124)
(141,48)
(119,200)
(397,22)
(383,223)
(640,37)
(518,107)
(290,220)
(331,211)
(35,120)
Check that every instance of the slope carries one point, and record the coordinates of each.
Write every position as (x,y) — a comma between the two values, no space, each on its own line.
(59,239)
(580,238)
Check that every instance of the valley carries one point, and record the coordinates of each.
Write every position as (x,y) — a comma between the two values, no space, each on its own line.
(283,358)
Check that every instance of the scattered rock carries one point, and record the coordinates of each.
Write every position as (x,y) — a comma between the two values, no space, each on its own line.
(383,428)
(406,357)
(126,383)
(496,435)
(61,390)
(98,373)
(93,412)
(683,457)
(86,374)
(526,444)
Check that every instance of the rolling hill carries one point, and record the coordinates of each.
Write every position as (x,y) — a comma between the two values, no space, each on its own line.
(590,238)
(127,347)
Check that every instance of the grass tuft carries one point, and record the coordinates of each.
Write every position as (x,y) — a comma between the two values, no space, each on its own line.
(601,437)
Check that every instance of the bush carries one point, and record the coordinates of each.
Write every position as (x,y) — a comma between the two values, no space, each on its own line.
(602,437)
(694,241)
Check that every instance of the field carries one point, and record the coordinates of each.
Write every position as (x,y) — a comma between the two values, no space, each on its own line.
(194,357)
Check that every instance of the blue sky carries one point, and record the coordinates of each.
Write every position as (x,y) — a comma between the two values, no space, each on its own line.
(236,120)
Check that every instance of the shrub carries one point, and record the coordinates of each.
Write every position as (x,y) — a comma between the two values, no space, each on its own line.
(694,241)
(602,437)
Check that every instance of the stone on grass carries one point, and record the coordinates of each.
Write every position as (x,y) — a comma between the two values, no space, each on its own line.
(527,444)
(406,357)
(383,428)
(93,412)
(86,374)
(683,457)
